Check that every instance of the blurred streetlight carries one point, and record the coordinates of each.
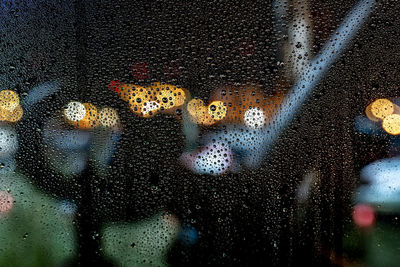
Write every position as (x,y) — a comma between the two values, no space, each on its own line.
(74,111)
(108,117)
(391,124)
(380,108)
(10,108)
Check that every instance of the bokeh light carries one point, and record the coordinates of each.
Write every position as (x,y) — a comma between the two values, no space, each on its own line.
(108,117)
(198,111)
(148,101)
(169,97)
(150,108)
(9,100)
(10,109)
(181,96)
(381,183)
(128,91)
(11,116)
(369,114)
(67,207)
(8,141)
(382,108)
(90,118)
(217,110)
(214,159)
(206,115)
(240,99)
(391,124)
(75,111)
(363,215)
(136,96)
(115,85)
(6,202)
(140,70)
(254,118)
(166,99)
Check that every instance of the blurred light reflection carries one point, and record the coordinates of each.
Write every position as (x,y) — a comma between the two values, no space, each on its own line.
(10,109)
(6,202)
(391,124)
(74,111)
(363,215)
(383,188)
(381,108)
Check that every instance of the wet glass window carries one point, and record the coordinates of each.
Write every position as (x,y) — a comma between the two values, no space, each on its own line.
(199,133)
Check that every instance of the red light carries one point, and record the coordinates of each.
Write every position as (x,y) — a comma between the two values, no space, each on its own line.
(115,85)
(140,70)
(363,215)
(246,47)
(171,70)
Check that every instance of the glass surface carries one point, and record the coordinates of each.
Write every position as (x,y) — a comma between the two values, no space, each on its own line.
(199,133)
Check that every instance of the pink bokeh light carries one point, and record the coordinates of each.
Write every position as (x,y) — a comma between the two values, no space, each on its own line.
(6,202)
(363,215)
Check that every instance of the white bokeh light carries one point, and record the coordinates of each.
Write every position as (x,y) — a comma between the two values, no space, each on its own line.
(254,118)
(383,183)
(75,111)
(8,142)
(150,106)
(214,159)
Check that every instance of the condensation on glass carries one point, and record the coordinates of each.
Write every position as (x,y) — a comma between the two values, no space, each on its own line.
(202,133)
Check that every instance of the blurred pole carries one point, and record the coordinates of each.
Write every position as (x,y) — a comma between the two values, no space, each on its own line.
(296,53)
(318,67)
(280,22)
(255,143)
(297,49)
(38,93)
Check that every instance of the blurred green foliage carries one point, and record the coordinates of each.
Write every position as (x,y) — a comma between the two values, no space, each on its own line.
(144,243)
(34,232)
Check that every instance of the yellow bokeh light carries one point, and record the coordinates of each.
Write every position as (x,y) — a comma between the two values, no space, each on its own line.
(138,98)
(108,117)
(180,97)
(199,112)
(10,109)
(15,115)
(126,90)
(196,108)
(148,101)
(382,108)
(166,99)
(90,118)
(217,110)
(9,100)
(391,124)
(176,96)
(206,119)
(11,116)
(369,114)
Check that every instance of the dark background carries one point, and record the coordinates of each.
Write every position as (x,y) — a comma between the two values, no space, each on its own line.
(254,220)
